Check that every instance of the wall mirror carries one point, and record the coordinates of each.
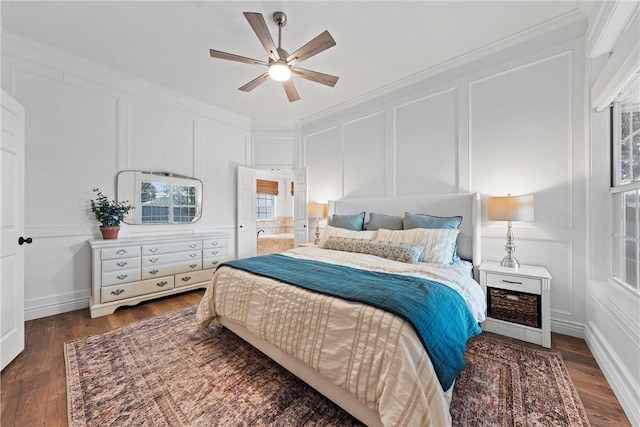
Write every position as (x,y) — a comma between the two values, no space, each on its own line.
(160,197)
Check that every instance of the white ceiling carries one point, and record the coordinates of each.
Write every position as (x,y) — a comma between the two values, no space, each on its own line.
(377,42)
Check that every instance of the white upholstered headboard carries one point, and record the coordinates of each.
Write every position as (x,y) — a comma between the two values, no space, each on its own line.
(466,205)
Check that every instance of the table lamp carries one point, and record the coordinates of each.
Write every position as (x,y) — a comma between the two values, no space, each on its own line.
(510,208)
(317,211)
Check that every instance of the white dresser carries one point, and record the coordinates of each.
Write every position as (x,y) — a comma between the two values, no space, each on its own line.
(130,270)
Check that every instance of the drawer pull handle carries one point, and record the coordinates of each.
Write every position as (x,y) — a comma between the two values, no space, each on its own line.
(186,278)
(214,243)
(513,297)
(162,284)
(153,250)
(117,292)
(193,245)
(193,255)
(215,262)
(121,252)
(121,264)
(153,259)
(122,276)
(214,252)
(154,271)
(193,265)
(512,282)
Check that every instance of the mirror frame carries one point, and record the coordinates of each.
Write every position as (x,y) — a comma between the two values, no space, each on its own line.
(129,184)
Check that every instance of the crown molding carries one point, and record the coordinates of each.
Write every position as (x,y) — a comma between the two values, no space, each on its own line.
(608,20)
(71,65)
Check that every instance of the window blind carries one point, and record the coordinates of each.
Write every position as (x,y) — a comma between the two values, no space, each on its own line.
(267,187)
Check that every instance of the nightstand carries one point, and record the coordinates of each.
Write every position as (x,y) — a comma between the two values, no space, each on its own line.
(518,303)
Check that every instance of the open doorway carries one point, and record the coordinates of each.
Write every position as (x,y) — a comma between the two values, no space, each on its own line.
(274,211)
(247,236)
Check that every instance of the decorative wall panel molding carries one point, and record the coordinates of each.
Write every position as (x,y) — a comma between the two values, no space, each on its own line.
(364,153)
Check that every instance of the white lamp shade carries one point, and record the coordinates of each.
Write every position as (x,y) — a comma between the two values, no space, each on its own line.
(510,208)
(316,210)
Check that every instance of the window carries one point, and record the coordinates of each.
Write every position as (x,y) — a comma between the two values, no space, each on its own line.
(167,203)
(265,206)
(625,188)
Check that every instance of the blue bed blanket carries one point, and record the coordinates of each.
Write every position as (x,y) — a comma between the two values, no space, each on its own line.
(438,313)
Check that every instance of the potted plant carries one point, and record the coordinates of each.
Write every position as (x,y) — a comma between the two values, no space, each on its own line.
(109,213)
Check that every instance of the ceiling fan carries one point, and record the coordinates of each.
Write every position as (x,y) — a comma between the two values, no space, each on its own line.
(282,64)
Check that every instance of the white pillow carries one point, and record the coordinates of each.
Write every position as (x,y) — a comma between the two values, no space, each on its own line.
(439,243)
(330,231)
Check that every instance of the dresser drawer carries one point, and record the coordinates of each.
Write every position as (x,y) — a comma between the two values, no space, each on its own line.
(117,292)
(166,269)
(122,276)
(167,248)
(213,262)
(155,260)
(194,277)
(120,264)
(214,252)
(515,283)
(214,243)
(120,252)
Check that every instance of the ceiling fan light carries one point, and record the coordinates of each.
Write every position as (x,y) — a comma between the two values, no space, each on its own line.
(279,71)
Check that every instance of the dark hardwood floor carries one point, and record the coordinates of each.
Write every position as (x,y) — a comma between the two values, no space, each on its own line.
(33,386)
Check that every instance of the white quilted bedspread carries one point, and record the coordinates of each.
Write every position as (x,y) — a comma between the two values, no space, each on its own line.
(376,356)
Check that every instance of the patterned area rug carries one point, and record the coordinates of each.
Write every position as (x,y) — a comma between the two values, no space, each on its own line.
(509,385)
(161,372)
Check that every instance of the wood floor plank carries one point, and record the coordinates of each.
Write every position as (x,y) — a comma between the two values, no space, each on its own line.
(33,386)
(10,411)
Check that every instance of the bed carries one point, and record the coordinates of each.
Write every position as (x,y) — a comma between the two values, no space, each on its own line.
(376,364)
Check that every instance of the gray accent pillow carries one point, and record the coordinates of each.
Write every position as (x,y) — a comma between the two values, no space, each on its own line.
(397,251)
(388,222)
(350,222)
(429,221)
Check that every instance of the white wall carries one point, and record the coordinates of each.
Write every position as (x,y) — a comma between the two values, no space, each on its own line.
(508,120)
(612,327)
(84,124)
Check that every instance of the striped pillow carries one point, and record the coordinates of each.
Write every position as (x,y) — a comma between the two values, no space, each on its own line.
(439,243)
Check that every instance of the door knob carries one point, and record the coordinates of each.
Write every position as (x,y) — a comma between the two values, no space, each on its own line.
(22,240)
(240,226)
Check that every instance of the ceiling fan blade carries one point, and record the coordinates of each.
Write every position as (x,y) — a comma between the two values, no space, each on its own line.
(314,76)
(255,83)
(322,42)
(292,93)
(232,57)
(256,20)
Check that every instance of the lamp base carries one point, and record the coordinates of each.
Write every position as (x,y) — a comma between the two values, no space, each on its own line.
(510,262)
(315,242)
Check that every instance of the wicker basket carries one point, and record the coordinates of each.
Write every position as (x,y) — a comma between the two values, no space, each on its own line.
(515,307)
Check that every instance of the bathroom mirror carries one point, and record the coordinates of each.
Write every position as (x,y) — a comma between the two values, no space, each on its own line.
(160,197)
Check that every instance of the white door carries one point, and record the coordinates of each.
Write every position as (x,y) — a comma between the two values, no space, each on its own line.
(246,222)
(300,200)
(12,230)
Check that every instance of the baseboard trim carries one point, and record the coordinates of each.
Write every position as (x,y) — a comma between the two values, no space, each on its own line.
(620,380)
(33,310)
(566,327)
